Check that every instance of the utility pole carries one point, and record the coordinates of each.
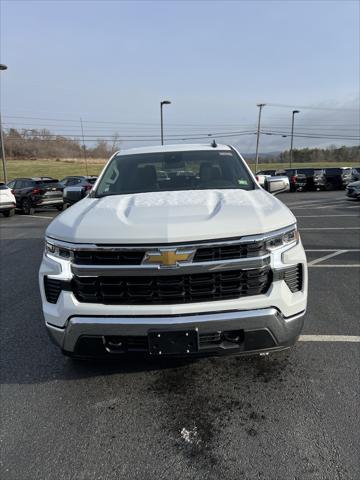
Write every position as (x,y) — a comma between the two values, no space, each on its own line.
(3,67)
(164,102)
(84,146)
(260,105)
(292,135)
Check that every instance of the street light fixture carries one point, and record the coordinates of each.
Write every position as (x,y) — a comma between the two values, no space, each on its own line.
(260,105)
(3,67)
(292,135)
(164,102)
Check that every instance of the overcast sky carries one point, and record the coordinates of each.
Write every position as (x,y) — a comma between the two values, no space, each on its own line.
(113,61)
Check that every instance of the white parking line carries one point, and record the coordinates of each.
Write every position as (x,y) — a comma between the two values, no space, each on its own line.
(330,228)
(317,206)
(337,205)
(323,216)
(325,257)
(316,202)
(331,250)
(330,338)
(335,265)
(39,216)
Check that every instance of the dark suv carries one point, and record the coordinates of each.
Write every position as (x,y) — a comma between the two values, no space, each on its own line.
(71,181)
(36,192)
(355,174)
(86,183)
(333,178)
(296,178)
(309,174)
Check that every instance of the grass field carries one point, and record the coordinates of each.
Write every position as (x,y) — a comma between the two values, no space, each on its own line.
(61,168)
(53,168)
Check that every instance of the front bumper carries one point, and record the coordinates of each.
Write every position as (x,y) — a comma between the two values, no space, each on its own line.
(276,314)
(259,330)
(48,202)
(4,207)
(353,193)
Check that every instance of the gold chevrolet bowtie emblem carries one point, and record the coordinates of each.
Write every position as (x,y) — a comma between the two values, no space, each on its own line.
(169,257)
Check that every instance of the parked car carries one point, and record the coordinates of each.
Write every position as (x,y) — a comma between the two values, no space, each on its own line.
(297,180)
(309,174)
(70,181)
(333,178)
(262,179)
(353,190)
(203,263)
(36,192)
(271,173)
(86,182)
(7,201)
(319,179)
(355,174)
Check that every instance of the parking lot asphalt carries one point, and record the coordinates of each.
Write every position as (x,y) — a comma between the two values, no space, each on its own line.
(270,418)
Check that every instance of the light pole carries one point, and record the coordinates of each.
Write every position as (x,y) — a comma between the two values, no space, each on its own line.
(164,102)
(3,67)
(292,135)
(260,105)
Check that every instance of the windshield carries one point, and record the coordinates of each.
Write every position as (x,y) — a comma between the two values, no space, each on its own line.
(170,171)
(46,181)
(91,180)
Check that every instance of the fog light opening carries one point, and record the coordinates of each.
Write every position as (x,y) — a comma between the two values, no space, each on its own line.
(234,336)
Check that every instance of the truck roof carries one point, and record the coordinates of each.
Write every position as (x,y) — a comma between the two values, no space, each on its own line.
(173,148)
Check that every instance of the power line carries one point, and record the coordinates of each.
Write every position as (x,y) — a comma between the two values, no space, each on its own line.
(154,139)
(280,105)
(302,135)
(173,136)
(155,124)
(268,131)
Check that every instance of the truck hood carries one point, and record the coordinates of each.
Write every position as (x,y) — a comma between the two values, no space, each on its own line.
(170,217)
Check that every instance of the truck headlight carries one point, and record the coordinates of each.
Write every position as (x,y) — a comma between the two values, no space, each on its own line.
(287,238)
(54,250)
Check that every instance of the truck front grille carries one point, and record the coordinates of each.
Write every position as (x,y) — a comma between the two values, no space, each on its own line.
(172,289)
(99,257)
(204,253)
(230,252)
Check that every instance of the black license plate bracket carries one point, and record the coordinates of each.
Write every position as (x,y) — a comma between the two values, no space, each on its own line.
(177,342)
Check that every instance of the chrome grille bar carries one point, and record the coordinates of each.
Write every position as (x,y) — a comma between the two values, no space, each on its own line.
(183,268)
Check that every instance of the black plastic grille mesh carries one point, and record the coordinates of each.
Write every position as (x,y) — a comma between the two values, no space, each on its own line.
(293,277)
(172,289)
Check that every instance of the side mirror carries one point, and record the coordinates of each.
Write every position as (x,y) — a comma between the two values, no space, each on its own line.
(73,194)
(277,185)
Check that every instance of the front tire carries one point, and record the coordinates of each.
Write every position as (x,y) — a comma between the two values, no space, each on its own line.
(60,208)
(9,213)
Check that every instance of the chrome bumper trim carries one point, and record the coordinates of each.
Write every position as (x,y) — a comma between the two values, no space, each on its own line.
(284,330)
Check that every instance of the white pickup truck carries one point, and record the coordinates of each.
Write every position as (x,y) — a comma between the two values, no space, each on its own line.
(177,250)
